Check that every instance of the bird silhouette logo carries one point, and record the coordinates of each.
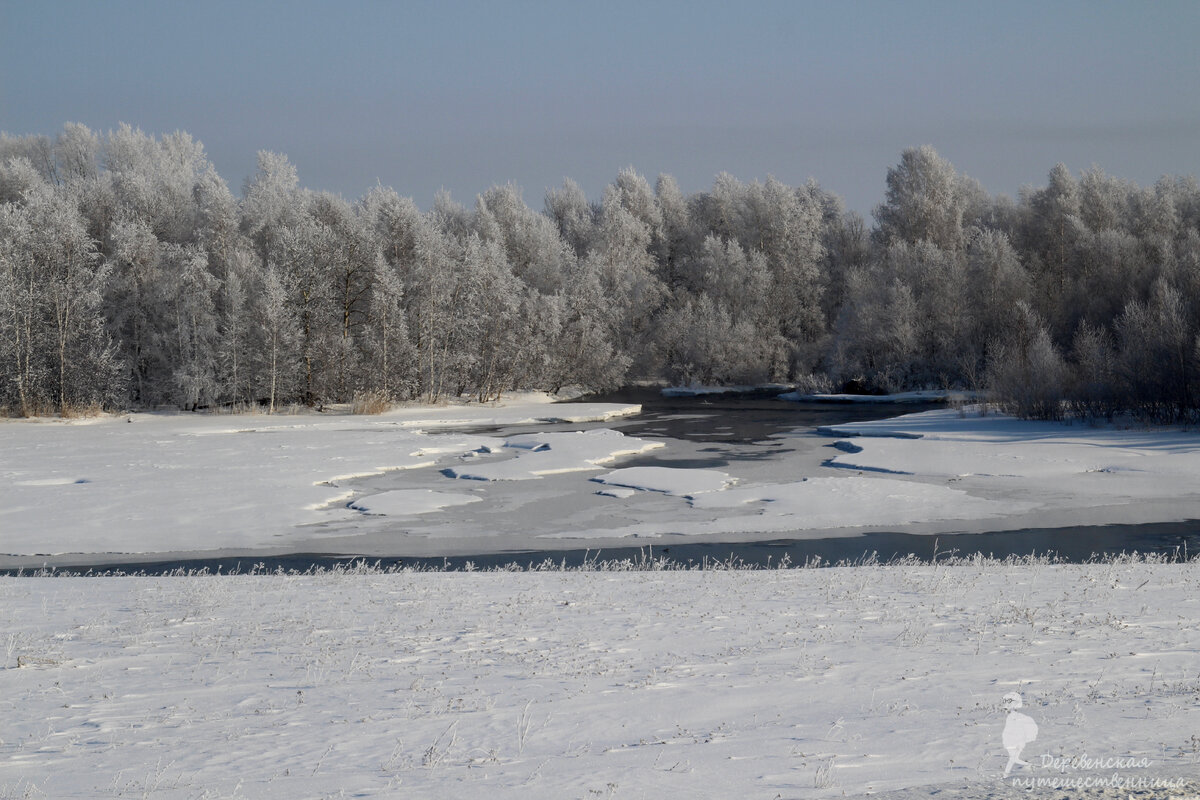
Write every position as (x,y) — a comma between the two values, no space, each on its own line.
(1019,730)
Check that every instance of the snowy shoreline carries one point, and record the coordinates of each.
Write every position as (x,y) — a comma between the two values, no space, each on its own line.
(811,683)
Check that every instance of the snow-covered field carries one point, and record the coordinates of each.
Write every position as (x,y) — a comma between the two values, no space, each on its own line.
(407,483)
(714,684)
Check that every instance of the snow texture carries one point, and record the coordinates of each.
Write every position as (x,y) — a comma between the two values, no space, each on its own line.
(822,683)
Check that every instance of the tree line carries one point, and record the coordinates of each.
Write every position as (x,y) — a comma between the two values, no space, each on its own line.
(131,276)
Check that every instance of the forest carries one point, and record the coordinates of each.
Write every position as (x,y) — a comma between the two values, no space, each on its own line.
(131,276)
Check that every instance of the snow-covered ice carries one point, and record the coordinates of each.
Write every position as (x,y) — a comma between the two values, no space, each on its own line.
(668,480)
(619,492)
(553,453)
(805,505)
(1051,467)
(822,683)
(385,485)
(830,502)
(191,482)
(400,502)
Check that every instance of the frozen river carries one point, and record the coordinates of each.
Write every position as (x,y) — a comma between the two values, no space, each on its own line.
(755,440)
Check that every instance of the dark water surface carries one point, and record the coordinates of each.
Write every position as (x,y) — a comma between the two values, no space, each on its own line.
(1176,540)
(736,428)
(740,418)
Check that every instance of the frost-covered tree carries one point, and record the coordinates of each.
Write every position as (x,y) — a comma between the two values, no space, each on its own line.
(313,304)
(584,351)
(696,337)
(390,355)
(194,349)
(937,280)
(37,154)
(451,217)
(531,241)
(1054,227)
(677,243)
(273,204)
(740,282)
(627,273)
(1102,200)
(432,305)
(1111,269)
(790,233)
(135,301)
(488,324)
(278,363)
(876,334)
(633,193)
(719,211)
(155,180)
(995,282)
(568,208)
(1095,388)
(51,319)
(927,200)
(1026,372)
(76,154)
(289,295)
(19,177)
(704,344)
(23,333)
(1156,355)
(847,247)
(234,268)
(345,253)
(235,311)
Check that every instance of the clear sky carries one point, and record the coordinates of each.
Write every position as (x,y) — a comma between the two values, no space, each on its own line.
(464,95)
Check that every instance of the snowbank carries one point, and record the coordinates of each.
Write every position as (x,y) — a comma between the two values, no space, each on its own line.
(807,683)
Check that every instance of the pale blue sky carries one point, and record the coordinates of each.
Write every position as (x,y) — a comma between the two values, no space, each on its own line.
(464,95)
